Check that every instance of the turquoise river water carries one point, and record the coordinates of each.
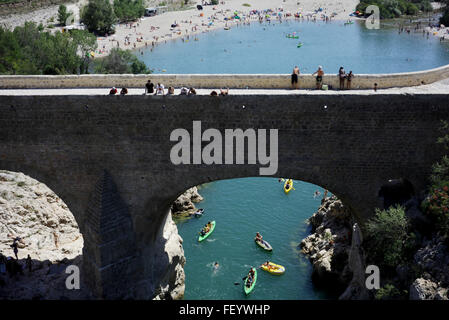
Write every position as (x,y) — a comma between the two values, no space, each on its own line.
(242,207)
(264,48)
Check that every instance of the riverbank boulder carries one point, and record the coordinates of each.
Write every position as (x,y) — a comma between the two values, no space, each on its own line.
(185,203)
(329,245)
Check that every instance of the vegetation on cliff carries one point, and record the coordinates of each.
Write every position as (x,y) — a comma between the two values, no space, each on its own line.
(29,50)
(445,17)
(394,8)
(410,243)
(388,238)
(120,61)
(436,204)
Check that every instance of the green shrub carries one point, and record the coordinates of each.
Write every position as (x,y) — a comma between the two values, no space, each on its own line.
(99,17)
(387,237)
(214,2)
(128,10)
(29,50)
(121,61)
(389,292)
(393,8)
(63,15)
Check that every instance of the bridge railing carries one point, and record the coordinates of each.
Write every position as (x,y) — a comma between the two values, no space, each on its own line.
(251,81)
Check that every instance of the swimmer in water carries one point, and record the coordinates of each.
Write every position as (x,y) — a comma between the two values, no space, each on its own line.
(216,265)
(316,194)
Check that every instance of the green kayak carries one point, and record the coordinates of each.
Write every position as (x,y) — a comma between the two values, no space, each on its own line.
(201,238)
(253,284)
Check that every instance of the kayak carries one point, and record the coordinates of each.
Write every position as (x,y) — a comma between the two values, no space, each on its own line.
(290,182)
(264,245)
(276,269)
(299,45)
(201,238)
(253,284)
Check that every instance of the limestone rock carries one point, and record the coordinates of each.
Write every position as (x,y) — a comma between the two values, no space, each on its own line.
(49,233)
(422,289)
(171,266)
(186,202)
(329,244)
(30,210)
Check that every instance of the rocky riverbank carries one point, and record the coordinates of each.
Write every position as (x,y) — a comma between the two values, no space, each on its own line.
(329,246)
(335,249)
(49,235)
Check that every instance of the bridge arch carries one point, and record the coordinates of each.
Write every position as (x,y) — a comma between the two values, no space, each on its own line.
(103,152)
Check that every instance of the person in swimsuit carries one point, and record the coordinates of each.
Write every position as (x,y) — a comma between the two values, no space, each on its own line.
(295,75)
(342,77)
(349,79)
(319,77)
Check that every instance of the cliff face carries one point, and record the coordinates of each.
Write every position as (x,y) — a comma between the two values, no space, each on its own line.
(334,248)
(172,283)
(185,203)
(30,210)
(433,259)
(50,235)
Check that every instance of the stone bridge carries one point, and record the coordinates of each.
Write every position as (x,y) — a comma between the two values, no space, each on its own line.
(108,158)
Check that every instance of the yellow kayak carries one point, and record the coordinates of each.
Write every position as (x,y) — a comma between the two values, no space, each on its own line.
(273,268)
(289,182)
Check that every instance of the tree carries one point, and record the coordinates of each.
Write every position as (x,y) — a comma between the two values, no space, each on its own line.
(63,15)
(29,50)
(127,10)
(387,236)
(99,17)
(86,43)
(121,61)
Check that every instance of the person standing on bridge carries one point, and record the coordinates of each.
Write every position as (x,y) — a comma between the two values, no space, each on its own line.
(149,86)
(295,75)
(319,77)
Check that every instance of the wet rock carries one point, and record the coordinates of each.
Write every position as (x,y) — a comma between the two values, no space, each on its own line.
(186,202)
(329,245)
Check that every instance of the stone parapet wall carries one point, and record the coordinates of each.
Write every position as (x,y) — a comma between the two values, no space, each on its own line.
(251,81)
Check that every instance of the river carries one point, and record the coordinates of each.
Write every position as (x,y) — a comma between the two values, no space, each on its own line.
(242,207)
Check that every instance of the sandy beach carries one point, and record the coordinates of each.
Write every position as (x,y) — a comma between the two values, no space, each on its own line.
(149,31)
(154,30)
